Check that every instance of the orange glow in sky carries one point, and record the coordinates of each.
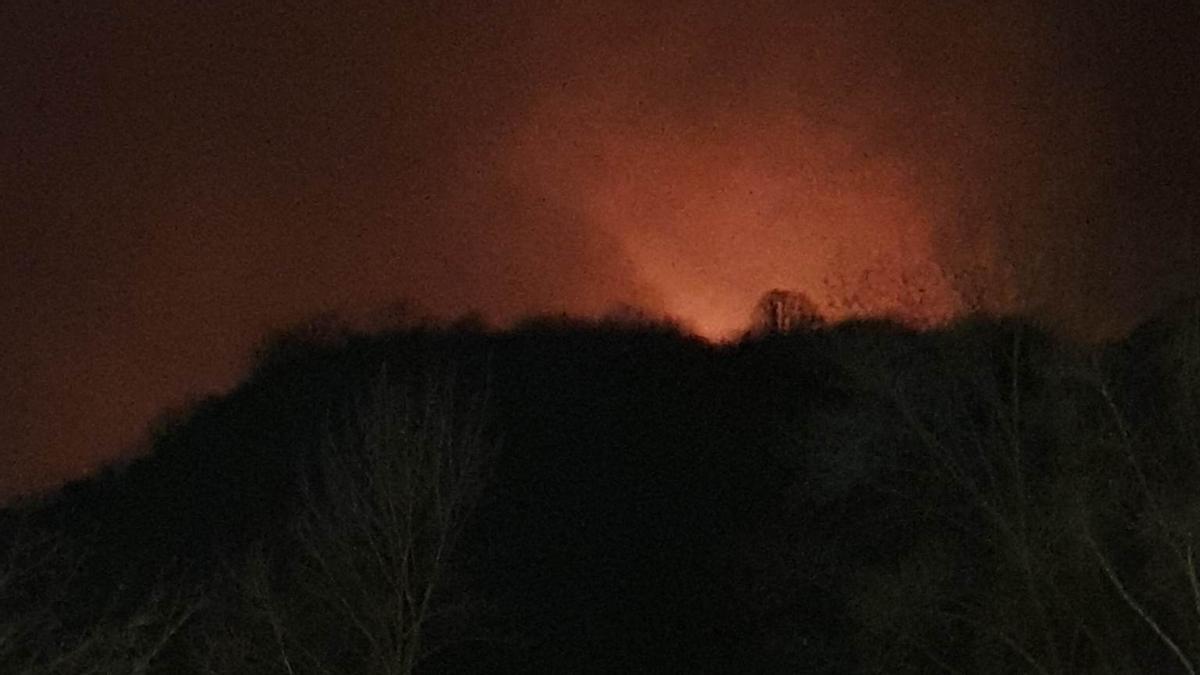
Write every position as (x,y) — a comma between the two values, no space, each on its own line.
(714,211)
(179,179)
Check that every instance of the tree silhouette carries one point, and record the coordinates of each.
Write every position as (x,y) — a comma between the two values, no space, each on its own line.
(783,311)
(382,511)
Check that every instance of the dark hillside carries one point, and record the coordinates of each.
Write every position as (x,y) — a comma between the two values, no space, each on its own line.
(574,496)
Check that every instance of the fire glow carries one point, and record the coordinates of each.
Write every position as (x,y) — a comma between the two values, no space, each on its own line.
(186,177)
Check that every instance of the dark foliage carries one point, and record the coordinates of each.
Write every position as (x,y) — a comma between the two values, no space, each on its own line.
(580,496)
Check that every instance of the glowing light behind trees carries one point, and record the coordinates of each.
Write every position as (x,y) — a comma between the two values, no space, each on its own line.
(180,179)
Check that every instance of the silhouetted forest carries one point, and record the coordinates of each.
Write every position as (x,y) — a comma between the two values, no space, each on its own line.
(574,496)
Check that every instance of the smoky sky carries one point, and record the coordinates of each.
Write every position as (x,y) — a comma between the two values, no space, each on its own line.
(179,178)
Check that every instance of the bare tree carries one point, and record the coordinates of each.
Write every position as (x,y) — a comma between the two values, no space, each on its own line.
(29,557)
(1054,542)
(382,510)
(44,630)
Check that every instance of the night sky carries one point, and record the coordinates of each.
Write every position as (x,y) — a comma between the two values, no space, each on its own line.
(179,178)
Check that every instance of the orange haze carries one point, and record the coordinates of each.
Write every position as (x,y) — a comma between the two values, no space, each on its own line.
(181,177)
